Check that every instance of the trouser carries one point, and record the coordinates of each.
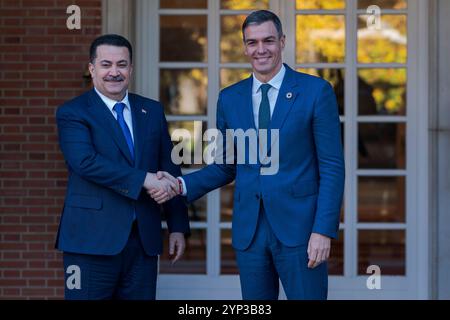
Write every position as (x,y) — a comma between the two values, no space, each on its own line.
(267,261)
(131,274)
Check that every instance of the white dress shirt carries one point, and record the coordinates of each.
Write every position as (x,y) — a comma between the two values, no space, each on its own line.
(110,103)
(275,82)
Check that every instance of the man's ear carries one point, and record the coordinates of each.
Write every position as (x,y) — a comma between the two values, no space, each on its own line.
(91,69)
(283,41)
(245,49)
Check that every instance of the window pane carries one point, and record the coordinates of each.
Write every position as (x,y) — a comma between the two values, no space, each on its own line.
(194,258)
(336,77)
(386,45)
(384,248)
(381,199)
(183,91)
(336,261)
(226,202)
(381,145)
(382,91)
(231,76)
(197,210)
(183,4)
(320,38)
(383,4)
(190,142)
(228,258)
(320,4)
(244,4)
(231,43)
(183,38)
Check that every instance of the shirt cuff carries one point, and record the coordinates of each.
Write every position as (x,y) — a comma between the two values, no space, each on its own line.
(184,192)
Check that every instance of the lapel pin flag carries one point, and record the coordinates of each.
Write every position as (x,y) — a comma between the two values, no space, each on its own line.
(144,111)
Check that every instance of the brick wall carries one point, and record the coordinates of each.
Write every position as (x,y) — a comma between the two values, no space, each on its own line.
(41,65)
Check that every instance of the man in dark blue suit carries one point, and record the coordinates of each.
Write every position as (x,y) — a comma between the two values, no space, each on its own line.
(283,220)
(110,229)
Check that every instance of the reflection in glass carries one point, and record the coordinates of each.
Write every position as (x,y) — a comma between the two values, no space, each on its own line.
(320,4)
(231,76)
(183,91)
(231,42)
(226,202)
(194,258)
(183,4)
(336,260)
(383,4)
(320,38)
(334,76)
(384,248)
(244,4)
(386,45)
(228,263)
(382,91)
(188,135)
(381,199)
(183,38)
(381,145)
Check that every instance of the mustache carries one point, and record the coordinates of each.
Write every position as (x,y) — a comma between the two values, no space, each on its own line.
(114,78)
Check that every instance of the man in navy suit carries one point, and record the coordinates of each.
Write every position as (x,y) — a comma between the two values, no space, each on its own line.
(282,222)
(112,141)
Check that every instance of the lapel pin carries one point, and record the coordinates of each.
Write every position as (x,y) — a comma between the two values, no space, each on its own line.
(289,95)
(144,111)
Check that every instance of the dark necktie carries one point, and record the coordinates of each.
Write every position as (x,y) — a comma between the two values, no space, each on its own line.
(264,107)
(264,120)
(118,107)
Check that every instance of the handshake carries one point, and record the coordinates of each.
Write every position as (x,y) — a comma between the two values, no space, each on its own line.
(162,186)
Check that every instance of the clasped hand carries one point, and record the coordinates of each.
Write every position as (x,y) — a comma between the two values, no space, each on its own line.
(161,186)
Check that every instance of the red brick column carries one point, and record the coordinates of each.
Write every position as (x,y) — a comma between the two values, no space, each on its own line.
(41,65)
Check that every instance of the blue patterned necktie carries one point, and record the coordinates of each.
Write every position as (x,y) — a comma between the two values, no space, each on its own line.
(264,107)
(118,107)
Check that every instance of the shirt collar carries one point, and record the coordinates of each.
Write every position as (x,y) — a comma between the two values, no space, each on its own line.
(110,103)
(275,82)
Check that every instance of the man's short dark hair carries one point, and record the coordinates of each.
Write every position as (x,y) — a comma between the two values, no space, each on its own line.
(259,17)
(110,40)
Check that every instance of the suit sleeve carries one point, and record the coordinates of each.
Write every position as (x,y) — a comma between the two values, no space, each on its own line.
(217,174)
(327,139)
(81,156)
(175,209)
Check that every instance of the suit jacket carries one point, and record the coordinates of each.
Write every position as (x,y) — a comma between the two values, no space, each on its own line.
(305,194)
(104,186)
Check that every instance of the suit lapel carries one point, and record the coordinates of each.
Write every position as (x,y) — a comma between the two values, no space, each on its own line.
(245,93)
(285,100)
(246,113)
(101,112)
